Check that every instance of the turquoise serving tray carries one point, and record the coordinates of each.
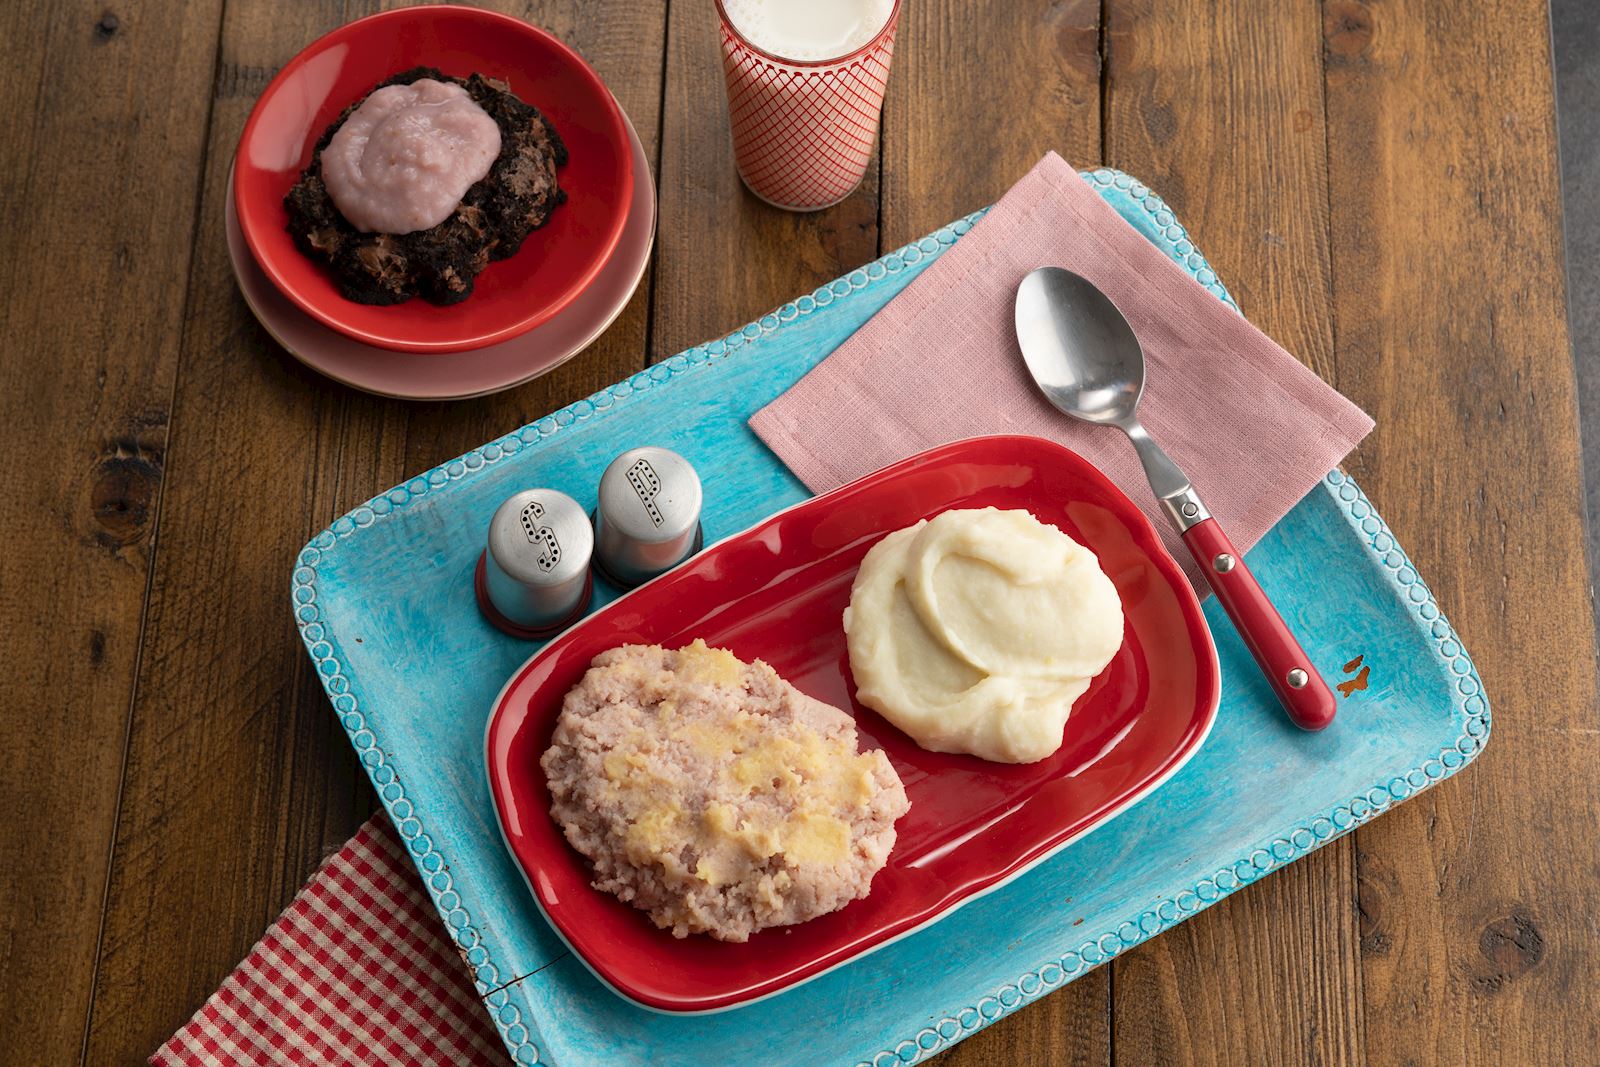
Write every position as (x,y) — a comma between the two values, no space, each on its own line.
(383,600)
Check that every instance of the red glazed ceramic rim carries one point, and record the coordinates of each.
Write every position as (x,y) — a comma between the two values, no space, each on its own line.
(474,373)
(649,967)
(329,312)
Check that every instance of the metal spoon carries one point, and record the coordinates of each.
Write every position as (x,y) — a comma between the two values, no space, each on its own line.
(1087,361)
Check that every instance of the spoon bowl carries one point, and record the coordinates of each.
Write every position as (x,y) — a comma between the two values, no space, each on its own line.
(1079,347)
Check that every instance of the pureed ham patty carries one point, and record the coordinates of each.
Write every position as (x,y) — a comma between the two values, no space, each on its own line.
(714,795)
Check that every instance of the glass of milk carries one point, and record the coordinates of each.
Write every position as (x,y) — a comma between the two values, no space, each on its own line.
(805,92)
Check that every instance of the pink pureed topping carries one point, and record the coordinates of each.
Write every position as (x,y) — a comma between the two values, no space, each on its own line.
(405,158)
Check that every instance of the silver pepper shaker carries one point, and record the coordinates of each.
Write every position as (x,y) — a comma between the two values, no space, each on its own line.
(533,577)
(648,520)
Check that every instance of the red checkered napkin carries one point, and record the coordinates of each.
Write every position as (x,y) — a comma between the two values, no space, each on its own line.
(357,971)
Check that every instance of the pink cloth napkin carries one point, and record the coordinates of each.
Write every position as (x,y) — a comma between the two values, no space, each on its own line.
(1252,426)
(357,971)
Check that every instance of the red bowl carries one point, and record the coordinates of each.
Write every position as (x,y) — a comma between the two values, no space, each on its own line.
(777,592)
(512,296)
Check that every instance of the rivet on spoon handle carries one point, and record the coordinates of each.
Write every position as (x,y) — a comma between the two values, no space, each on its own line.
(1301,690)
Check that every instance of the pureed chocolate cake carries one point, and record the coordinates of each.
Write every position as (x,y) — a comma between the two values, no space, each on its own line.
(398,166)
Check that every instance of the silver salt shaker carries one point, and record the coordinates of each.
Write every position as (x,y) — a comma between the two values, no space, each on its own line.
(533,577)
(648,520)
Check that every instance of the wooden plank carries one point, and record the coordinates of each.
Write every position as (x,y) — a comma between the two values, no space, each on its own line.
(725,257)
(1477,898)
(1218,107)
(1269,976)
(238,778)
(97,216)
(978,93)
(1575,40)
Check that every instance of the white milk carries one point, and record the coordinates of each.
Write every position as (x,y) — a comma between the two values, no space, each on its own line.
(808,30)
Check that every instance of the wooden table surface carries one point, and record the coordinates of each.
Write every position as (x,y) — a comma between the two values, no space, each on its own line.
(1375,181)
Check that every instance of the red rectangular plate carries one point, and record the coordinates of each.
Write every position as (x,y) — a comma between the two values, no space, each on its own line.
(777,592)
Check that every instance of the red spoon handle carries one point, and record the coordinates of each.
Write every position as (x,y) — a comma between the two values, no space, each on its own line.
(1310,704)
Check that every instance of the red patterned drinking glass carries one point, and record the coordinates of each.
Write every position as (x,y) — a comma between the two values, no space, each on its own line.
(804,131)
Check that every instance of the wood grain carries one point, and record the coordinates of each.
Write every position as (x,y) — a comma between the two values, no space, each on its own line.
(97,215)
(238,778)
(725,257)
(978,93)
(1219,109)
(1269,976)
(1477,898)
